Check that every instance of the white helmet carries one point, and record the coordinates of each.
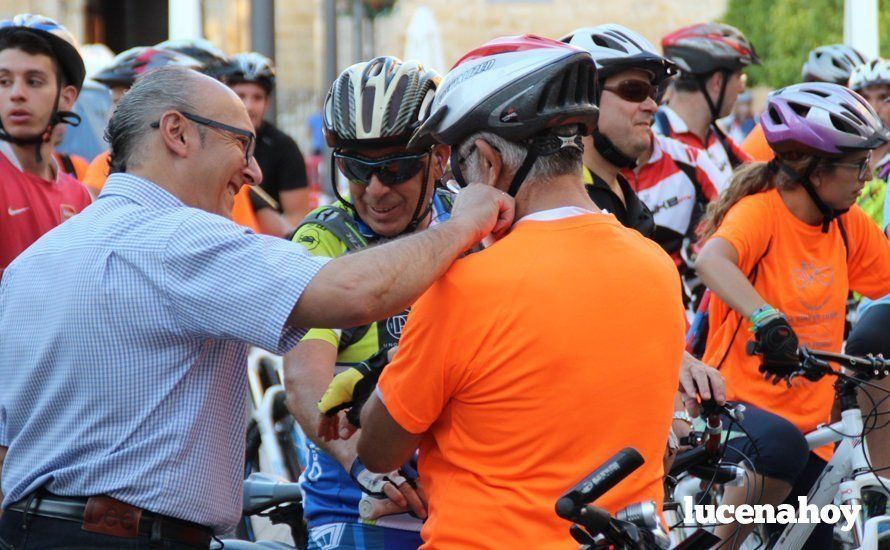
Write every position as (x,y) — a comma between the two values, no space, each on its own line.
(832,63)
(615,48)
(873,73)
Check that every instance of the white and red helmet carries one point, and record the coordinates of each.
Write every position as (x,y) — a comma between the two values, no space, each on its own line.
(516,87)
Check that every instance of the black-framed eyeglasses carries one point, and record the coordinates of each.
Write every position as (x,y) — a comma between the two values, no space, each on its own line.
(863,166)
(391,170)
(246,138)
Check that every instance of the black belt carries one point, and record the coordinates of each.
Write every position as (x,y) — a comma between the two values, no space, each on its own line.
(109,516)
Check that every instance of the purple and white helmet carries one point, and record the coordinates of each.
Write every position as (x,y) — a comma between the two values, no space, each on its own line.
(874,73)
(822,119)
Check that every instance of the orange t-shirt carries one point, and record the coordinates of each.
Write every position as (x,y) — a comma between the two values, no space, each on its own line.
(79,164)
(806,275)
(524,367)
(242,211)
(755,145)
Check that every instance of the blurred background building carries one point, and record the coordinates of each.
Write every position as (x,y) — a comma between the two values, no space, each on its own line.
(311,41)
(436,31)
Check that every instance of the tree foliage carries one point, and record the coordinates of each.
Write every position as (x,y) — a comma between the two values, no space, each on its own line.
(784,31)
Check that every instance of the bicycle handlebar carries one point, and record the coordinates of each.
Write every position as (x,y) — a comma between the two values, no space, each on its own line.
(619,466)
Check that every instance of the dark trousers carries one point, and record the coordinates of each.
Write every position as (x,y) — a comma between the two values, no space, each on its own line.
(36,532)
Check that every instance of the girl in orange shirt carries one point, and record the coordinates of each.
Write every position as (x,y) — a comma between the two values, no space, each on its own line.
(785,246)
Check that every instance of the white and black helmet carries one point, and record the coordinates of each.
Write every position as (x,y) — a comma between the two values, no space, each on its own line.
(615,48)
(378,103)
(251,67)
(832,63)
(874,73)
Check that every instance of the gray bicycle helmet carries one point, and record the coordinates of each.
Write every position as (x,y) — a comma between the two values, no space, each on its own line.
(832,63)
(251,67)
(214,61)
(615,48)
(873,73)
(521,88)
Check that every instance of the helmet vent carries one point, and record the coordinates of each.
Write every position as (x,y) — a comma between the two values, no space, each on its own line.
(842,124)
(774,115)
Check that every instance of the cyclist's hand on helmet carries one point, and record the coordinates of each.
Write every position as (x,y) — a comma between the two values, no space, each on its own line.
(484,210)
(698,380)
(777,344)
(399,486)
(348,391)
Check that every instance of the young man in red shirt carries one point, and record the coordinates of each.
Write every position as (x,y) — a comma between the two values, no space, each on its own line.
(41,73)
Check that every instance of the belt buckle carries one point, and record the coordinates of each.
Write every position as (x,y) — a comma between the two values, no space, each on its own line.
(108,516)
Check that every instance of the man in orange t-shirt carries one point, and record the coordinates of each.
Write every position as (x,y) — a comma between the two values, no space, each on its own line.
(493,379)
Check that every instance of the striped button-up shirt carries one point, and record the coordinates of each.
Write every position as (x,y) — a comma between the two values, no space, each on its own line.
(124,334)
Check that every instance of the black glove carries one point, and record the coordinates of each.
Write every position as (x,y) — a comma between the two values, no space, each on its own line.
(777,343)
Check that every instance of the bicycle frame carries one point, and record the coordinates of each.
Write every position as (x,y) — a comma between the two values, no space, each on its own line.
(843,479)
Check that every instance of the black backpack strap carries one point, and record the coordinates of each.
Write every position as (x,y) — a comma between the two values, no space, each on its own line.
(67,165)
(340,223)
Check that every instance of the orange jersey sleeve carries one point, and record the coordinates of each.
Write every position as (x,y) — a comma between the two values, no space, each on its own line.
(756,147)
(97,172)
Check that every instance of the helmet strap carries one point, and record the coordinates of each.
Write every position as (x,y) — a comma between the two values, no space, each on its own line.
(610,152)
(828,213)
(335,188)
(421,212)
(703,86)
(57,117)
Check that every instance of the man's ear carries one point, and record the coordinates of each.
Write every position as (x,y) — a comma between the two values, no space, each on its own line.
(67,97)
(173,129)
(490,165)
(439,158)
(715,81)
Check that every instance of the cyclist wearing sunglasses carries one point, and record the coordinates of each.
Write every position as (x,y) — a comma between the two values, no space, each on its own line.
(673,180)
(785,244)
(711,58)
(391,192)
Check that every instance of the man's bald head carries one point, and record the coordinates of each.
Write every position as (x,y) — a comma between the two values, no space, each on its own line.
(171,88)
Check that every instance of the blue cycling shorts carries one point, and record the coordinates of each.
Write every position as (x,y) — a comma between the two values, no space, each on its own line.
(357,536)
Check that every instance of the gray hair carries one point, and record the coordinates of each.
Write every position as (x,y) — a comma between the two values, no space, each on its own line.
(564,162)
(157,91)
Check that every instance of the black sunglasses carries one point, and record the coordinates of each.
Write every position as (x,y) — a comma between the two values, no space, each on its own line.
(391,170)
(636,91)
(245,138)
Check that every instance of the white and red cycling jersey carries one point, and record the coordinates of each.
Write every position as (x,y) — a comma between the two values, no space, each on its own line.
(724,153)
(676,183)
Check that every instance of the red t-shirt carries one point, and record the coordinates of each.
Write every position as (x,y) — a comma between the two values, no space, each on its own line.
(30,205)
